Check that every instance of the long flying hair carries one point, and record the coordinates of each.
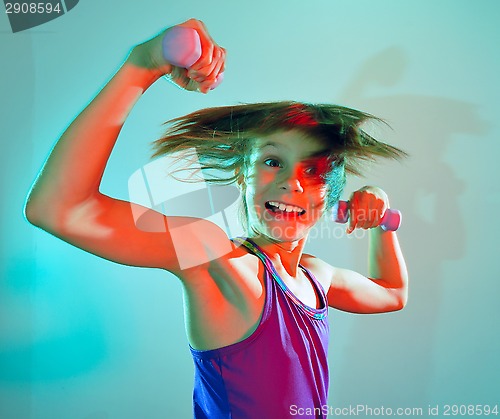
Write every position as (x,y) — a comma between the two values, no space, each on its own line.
(222,138)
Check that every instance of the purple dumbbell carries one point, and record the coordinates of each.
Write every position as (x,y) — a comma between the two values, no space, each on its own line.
(390,222)
(182,48)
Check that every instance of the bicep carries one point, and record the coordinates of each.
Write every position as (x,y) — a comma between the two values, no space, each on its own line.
(130,234)
(355,293)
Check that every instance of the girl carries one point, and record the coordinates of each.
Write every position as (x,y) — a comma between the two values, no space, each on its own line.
(255,306)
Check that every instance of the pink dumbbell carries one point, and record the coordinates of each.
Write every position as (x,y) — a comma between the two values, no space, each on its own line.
(182,48)
(390,222)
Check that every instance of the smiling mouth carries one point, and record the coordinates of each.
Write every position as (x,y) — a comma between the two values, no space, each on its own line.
(282,208)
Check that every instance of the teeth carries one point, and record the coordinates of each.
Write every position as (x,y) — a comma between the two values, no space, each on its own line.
(284,207)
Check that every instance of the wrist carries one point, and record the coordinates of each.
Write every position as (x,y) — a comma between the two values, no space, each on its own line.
(142,57)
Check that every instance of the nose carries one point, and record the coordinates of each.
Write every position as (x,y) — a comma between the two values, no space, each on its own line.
(291,182)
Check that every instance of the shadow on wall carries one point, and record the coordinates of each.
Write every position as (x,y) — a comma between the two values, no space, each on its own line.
(395,351)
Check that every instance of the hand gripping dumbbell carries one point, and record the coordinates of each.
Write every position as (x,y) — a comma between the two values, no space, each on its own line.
(390,222)
(182,48)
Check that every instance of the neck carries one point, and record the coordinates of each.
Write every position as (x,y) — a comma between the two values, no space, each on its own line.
(282,254)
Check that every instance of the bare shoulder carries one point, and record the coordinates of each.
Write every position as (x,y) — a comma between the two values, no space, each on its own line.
(336,278)
(353,292)
(224,298)
(223,264)
(197,244)
(323,271)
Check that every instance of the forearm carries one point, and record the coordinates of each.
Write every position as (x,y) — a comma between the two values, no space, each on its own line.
(386,263)
(74,168)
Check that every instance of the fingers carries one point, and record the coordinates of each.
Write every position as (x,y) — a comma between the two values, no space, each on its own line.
(353,214)
(179,77)
(215,77)
(211,63)
(217,65)
(207,76)
(367,208)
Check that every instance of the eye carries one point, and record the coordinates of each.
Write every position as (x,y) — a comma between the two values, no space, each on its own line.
(311,170)
(272,163)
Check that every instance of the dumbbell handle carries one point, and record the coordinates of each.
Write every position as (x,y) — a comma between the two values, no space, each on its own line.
(390,222)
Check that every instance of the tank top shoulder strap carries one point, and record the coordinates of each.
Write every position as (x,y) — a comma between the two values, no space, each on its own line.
(316,313)
(316,283)
(256,250)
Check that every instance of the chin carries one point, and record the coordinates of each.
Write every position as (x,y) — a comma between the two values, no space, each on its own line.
(286,234)
(279,229)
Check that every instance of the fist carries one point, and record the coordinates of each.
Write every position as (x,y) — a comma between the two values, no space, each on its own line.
(367,208)
(201,76)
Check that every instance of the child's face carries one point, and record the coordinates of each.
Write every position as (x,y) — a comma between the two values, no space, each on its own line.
(285,190)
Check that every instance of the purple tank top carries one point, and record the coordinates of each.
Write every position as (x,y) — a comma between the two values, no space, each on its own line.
(280,368)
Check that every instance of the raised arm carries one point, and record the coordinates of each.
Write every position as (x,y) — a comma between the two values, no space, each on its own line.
(65,199)
(386,287)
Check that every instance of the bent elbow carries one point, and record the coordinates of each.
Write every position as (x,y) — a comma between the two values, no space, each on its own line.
(402,301)
(398,300)
(31,214)
(400,306)
(41,217)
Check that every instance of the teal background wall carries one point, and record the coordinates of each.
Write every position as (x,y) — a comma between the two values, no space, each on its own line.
(81,337)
